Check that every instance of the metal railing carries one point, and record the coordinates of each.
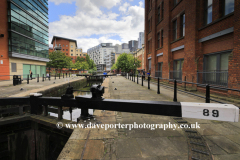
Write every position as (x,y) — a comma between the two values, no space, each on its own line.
(158,74)
(206,86)
(176,74)
(219,78)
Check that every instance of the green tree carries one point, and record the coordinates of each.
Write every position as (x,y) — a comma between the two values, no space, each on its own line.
(126,62)
(59,60)
(90,62)
(114,67)
(82,65)
(80,59)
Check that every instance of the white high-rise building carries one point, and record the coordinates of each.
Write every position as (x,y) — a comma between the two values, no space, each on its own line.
(99,54)
(140,39)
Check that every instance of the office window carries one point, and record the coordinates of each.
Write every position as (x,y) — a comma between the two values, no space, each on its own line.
(158,40)
(159,17)
(183,25)
(14,67)
(162,10)
(174,2)
(175,30)
(208,11)
(228,6)
(162,38)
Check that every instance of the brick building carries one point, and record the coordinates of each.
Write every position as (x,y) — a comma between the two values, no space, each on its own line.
(194,39)
(68,46)
(23,38)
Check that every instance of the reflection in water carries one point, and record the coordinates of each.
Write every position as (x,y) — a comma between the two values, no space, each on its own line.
(76,111)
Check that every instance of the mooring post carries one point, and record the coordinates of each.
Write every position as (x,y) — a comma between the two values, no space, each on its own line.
(137,79)
(38,78)
(207,93)
(148,82)
(45,110)
(158,92)
(175,91)
(142,80)
(28,79)
(60,113)
(43,78)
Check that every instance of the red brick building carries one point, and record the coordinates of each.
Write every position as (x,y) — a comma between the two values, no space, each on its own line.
(68,46)
(194,39)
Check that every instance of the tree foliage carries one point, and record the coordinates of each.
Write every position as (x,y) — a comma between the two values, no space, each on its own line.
(126,62)
(59,60)
(80,59)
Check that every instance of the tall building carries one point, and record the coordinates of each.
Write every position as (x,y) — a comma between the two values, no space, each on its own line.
(23,37)
(67,46)
(196,40)
(101,55)
(133,45)
(121,48)
(140,40)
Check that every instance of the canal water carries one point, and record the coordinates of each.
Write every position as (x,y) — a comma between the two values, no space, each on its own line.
(76,111)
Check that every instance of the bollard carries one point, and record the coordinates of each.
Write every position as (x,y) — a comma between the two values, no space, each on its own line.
(63,75)
(158,92)
(175,91)
(49,78)
(59,75)
(137,79)
(207,93)
(60,113)
(55,76)
(28,79)
(142,80)
(134,77)
(43,78)
(148,82)
(38,78)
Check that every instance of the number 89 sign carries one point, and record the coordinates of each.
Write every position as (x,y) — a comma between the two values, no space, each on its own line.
(210,111)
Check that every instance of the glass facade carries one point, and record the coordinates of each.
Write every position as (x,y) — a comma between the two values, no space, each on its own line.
(28,25)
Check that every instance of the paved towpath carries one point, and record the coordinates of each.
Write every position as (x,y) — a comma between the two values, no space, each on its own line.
(8,90)
(214,140)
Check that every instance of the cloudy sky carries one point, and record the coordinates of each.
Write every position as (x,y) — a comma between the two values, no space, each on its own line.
(91,22)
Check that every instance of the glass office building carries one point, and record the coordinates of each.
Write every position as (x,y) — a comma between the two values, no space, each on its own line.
(28,33)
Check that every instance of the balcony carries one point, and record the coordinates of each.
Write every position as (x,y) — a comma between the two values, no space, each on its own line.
(57,48)
(215,77)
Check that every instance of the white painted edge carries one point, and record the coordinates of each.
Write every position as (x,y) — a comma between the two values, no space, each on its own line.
(227,112)
(35,94)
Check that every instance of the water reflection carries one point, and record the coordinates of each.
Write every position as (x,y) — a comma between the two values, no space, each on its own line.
(76,111)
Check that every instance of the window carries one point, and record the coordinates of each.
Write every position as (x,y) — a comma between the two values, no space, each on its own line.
(177,68)
(162,10)
(158,40)
(77,54)
(71,46)
(14,67)
(66,45)
(63,49)
(149,25)
(175,30)
(80,55)
(149,64)
(158,17)
(162,38)
(228,6)
(208,11)
(216,68)
(59,45)
(77,50)
(66,53)
(183,25)
(71,54)
(71,50)
(63,45)
(66,49)
(174,2)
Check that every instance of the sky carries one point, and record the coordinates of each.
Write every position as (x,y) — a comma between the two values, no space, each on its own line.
(92,22)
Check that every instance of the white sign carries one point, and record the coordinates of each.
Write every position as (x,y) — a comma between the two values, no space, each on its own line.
(210,111)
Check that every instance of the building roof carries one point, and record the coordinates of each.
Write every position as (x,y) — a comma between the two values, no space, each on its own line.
(63,38)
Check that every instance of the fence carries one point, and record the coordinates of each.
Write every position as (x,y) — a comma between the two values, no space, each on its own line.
(175,75)
(158,74)
(207,86)
(219,78)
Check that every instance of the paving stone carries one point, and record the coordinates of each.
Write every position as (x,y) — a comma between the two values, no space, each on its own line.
(157,146)
(128,148)
(226,144)
(234,138)
(214,148)
(94,149)
(227,157)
